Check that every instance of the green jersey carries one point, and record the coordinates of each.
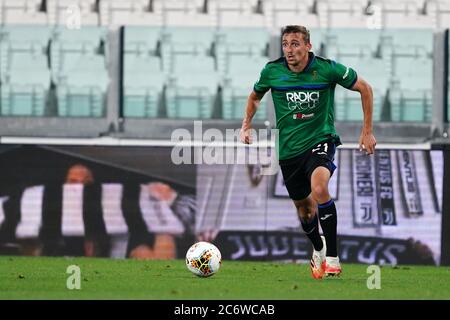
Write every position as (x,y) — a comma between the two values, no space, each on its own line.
(304,101)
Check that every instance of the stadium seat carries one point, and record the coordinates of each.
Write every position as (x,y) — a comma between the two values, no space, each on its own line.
(26,37)
(339,14)
(242,73)
(342,42)
(317,39)
(418,77)
(237,13)
(407,42)
(24,69)
(82,85)
(244,40)
(403,14)
(251,42)
(188,13)
(357,48)
(68,43)
(142,40)
(25,85)
(375,71)
(411,92)
(144,79)
(73,13)
(189,39)
(31,39)
(115,13)
(143,86)
(75,38)
(410,105)
(192,88)
(185,41)
(79,70)
(23,12)
(279,13)
(78,66)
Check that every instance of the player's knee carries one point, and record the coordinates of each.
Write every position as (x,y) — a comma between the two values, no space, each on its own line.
(305,208)
(320,191)
(306,214)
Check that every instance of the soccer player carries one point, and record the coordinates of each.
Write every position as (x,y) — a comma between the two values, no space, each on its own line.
(302,87)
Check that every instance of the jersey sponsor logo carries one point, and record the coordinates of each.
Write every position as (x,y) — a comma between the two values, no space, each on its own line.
(302,115)
(302,100)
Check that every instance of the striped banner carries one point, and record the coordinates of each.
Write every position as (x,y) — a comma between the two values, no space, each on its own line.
(386,207)
(409,186)
(435,166)
(30,216)
(365,211)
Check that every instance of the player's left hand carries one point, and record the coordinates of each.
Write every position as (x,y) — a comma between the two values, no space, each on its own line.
(367,142)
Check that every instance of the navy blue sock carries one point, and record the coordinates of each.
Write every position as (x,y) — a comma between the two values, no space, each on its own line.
(311,229)
(328,222)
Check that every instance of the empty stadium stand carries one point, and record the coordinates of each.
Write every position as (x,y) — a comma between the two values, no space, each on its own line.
(24,70)
(115,13)
(192,87)
(79,71)
(143,76)
(184,60)
(189,64)
(242,73)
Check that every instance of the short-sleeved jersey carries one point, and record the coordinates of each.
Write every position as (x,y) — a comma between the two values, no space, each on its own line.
(304,101)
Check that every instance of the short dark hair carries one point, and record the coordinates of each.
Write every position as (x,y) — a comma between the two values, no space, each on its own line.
(297,29)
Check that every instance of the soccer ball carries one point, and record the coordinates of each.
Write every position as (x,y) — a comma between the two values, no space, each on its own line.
(203,259)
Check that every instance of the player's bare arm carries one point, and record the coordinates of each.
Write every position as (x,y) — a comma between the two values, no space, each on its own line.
(252,106)
(367,140)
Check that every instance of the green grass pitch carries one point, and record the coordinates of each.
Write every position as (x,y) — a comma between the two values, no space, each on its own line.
(46,278)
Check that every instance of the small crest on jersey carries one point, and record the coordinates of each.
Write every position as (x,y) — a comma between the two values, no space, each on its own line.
(302,115)
(314,75)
